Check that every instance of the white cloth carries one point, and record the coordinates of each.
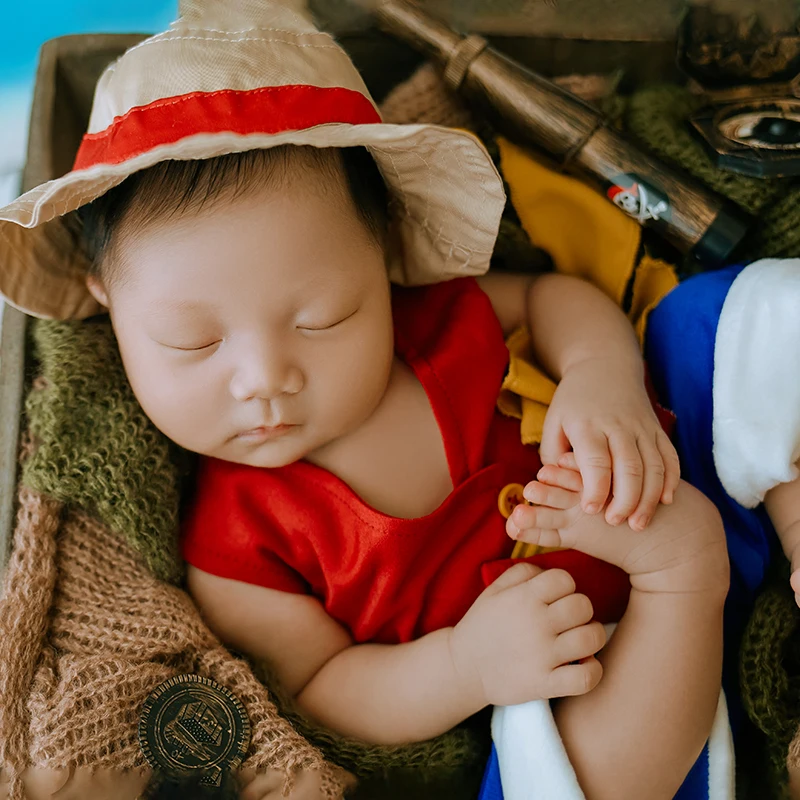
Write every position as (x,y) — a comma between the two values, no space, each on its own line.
(756,389)
(534,764)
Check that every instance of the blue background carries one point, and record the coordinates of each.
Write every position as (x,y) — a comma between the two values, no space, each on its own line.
(25,24)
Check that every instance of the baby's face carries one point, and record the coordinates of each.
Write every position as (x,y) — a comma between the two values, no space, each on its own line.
(258,331)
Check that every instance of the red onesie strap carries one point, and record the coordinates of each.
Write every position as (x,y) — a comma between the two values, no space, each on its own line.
(450,336)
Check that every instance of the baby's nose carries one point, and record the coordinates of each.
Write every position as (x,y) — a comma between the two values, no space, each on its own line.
(265,378)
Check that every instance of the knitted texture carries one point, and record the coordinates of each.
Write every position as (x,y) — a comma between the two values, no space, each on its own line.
(95,448)
(24,608)
(115,633)
(769,683)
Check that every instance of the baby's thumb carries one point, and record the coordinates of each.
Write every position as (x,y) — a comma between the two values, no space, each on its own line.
(513,576)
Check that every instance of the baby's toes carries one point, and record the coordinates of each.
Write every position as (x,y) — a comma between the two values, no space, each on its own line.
(570,612)
(536,536)
(554,475)
(541,494)
(541,517)
(579,643)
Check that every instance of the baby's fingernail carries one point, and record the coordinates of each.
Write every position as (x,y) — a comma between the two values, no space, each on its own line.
(592,508)
(512,529)
(614,519)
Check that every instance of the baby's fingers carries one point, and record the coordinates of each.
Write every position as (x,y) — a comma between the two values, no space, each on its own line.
(575,679)
(652,487)
(672,467)
(593,460)
(579,643)
(628,477)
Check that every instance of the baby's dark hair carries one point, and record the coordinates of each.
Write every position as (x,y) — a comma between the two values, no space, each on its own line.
(172,188)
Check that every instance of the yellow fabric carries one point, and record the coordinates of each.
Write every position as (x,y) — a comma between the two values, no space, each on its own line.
(654,279)
(586,236)
(526,391)
(583,232)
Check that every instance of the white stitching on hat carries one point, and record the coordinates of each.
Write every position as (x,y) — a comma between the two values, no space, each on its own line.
(147,42)
(417,154)
(437,237)
(401,195)
(96,190)
(167,37)
(247,30)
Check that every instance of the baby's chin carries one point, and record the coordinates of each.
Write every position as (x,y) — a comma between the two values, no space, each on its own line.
(267,454)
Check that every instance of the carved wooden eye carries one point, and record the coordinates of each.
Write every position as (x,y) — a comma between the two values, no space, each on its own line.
(769,128)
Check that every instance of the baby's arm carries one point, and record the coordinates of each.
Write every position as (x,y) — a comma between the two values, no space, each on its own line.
(783,506)
(600,410)
(515,644)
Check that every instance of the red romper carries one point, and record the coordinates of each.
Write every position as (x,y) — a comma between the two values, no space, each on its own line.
(299,528)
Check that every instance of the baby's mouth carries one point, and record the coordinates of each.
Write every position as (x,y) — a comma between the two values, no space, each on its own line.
(264,433)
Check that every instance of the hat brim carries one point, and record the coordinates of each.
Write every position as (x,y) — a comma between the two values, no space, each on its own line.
(448,200)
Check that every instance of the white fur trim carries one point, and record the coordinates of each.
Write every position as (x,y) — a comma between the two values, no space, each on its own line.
(756,391)
(534,764)
(721,762)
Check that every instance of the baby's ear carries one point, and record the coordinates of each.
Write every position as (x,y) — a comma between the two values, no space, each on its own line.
(97,290)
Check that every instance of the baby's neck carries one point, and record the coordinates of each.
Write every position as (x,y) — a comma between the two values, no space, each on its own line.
(395,461)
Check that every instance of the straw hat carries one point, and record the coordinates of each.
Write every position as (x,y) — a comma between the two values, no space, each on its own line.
(236,75)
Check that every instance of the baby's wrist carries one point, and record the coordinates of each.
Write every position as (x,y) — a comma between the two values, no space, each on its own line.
(621,365)
(466,675)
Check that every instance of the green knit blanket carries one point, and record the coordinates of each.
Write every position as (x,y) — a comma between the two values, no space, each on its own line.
(96,449)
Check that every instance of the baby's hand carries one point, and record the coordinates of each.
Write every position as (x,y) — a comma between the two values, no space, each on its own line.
(521,637)
(602,413)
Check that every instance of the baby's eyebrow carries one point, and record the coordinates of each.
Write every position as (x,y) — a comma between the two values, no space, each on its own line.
(180,306)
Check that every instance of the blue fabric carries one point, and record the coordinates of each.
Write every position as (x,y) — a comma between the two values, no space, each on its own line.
(490,786)
(680,354)
(695,786)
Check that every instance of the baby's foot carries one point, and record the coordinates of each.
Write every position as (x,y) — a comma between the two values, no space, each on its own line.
(682,548)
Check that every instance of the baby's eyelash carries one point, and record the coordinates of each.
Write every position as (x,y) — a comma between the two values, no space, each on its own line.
(193,349)
(326,327)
